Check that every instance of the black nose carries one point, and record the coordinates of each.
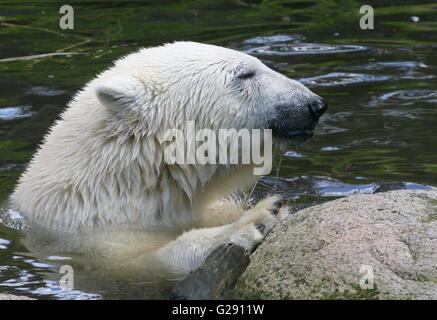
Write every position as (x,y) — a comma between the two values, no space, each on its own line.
(317,109)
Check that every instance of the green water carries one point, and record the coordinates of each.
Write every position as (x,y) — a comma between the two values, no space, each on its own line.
(379,132)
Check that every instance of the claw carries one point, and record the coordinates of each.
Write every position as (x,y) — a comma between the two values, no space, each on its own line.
(261,227)
(280,203)
(274,211)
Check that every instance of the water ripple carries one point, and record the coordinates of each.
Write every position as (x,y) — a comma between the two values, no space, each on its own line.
(398,69)
(399,65)
(341,78)
(273,39)
(288,49)
(410,96)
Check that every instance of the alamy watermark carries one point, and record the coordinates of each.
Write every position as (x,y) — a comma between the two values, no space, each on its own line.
(67,20)
(227,146)
(67,280)
(367,20)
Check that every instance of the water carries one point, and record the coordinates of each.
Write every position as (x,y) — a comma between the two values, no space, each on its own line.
(379,133)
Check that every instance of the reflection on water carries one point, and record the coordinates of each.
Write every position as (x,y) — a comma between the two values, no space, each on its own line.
(41,91)
(11,113)
(378,134)
(22,282)
(317,188)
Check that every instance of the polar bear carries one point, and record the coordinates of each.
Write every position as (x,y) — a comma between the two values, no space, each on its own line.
(99,180)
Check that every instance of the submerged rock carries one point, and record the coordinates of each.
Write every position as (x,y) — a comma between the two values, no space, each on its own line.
(379,246)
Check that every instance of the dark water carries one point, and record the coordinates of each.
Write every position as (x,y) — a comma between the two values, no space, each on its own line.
(379,133)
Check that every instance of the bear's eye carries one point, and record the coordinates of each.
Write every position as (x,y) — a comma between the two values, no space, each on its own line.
(246,75)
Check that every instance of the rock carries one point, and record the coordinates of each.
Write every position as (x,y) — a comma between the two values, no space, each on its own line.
(12,297)
(327,251)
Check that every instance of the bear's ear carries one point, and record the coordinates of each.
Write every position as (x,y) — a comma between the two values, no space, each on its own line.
(118,94)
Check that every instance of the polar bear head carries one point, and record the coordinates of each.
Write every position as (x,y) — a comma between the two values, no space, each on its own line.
(215,86)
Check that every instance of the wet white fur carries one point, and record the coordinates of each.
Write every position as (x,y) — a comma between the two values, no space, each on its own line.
(100,169)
